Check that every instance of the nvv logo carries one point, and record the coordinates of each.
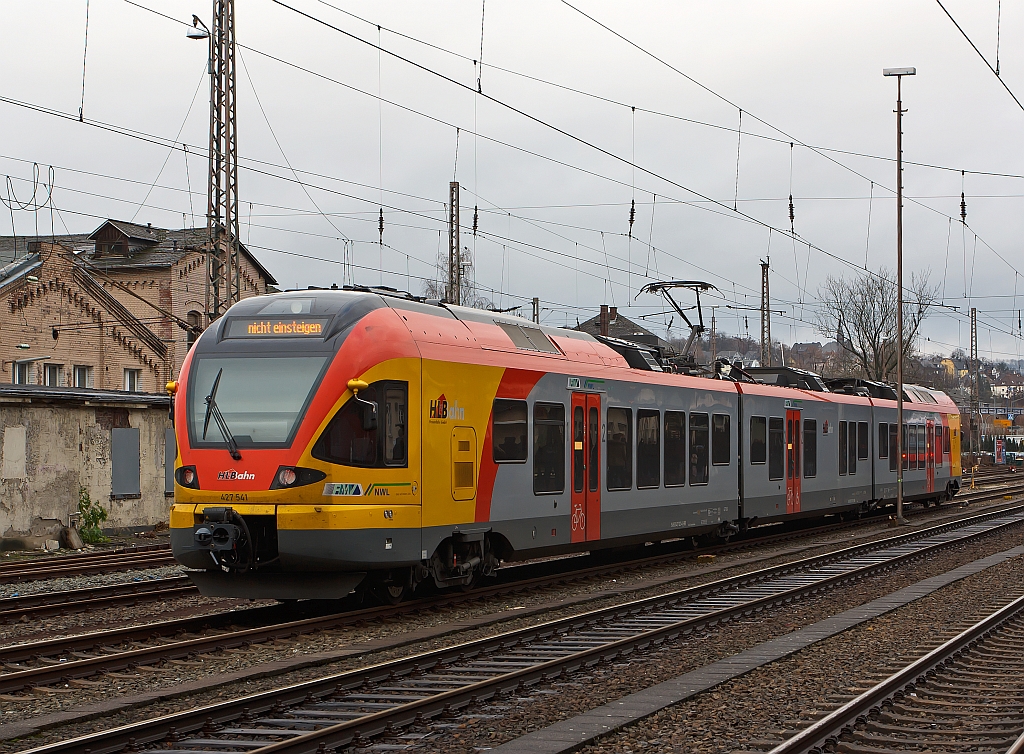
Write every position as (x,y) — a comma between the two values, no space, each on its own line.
(343,489)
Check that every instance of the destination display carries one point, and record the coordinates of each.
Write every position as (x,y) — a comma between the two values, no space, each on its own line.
(277,327)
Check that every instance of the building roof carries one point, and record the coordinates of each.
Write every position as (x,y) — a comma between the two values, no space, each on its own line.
(85,396)
(147,246)
(624,329)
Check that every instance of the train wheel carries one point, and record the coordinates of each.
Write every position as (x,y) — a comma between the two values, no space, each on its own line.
(391,587)
(392,594)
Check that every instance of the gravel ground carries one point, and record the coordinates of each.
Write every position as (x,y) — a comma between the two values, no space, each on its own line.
(607,683)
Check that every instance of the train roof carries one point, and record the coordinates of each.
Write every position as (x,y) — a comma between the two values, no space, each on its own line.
(525,342)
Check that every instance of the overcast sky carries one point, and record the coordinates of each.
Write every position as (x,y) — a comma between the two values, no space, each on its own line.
(553,186)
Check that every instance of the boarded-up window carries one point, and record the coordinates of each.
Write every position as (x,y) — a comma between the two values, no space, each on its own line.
(125,473)
(13,465)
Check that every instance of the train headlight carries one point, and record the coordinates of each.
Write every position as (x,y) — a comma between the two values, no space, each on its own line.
(295,476)
(186,476)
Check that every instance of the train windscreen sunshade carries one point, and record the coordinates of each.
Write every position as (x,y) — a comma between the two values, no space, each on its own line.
(261,398)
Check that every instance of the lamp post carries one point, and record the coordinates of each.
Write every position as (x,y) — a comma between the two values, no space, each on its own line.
(899,73)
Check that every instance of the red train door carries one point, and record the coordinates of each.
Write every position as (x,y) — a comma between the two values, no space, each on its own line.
(930,455)
(586,467)
(792,461)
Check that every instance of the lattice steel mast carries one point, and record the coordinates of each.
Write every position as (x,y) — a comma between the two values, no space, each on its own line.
(223,273)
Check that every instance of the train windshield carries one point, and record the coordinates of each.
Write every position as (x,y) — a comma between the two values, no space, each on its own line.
(260,399)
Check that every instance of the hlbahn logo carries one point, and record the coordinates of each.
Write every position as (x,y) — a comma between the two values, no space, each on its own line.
(441,409)
(231,475)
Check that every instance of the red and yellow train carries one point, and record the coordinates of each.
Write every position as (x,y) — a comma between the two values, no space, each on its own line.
(331,437)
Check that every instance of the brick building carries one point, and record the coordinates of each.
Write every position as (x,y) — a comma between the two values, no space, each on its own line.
(90,311)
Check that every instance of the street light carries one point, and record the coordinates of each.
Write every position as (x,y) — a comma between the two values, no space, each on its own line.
(899,73)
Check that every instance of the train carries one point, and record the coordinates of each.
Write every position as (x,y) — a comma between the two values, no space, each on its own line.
(334,440)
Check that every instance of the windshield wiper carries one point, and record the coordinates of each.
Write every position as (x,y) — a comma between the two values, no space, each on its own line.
(213,409)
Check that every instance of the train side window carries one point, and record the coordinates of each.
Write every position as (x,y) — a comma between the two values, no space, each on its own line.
(945,441)
(699,441)
(883,440)
(508,431)
(906,446)
(347,443)
(893,439)
(548,448)
(758,440)
(620,449)
(853,447)
(396,441)
(862,441)
(922,449)
(810,448)
(844,453)
(675,448)
(938,444)
(720,439)
(648,449)
(578,431)
(776,448)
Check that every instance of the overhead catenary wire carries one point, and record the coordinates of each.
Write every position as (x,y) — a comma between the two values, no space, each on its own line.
(809,247)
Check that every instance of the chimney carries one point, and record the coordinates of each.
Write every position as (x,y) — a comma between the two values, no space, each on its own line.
(613,314)
(604,320)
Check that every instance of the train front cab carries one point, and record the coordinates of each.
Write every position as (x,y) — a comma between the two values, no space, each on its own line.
(323,484)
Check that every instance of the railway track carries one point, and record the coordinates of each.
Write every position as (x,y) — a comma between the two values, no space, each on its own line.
(963,696)
(120,559)
(71,659)
(94,598)
(77,601)
(354,706)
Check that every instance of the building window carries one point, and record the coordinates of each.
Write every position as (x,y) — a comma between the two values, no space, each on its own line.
(699,441)
(810,448)
(648,449)
(132,377)
(776,448)
(195,322)
(675,448)
(83,376)
(720,440)
(548,448)
(22,373)
(508,431)
(620,448)
(53,375)
(758,439)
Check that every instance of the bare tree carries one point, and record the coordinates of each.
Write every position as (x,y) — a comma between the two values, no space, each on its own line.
(861,315)
(469,293)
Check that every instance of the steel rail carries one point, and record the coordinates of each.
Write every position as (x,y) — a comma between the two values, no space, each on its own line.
(77,601)
(107,660)
(698,607)
(827,730)
(91,563)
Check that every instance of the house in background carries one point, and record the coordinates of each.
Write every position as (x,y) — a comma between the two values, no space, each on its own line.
(91,311)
